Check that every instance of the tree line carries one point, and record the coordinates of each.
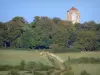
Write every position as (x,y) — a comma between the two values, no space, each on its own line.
(46,33)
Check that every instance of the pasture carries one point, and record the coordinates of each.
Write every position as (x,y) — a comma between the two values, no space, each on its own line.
(93,69)
(13,57)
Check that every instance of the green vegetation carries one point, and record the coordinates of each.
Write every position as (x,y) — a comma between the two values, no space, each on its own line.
(92,69)
(57,67)
(13,57)
(21,43)
(22,65)
(91,60)
(84,73)
(13,72)
(47,33)
(18,60)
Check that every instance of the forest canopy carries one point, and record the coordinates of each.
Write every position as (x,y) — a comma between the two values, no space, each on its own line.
(45,33)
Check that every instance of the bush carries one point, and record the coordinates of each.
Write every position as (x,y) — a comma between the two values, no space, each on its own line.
(8,67)
(68,73)
(98,49)
(86,60)
(5,67)
(84,73)
(13,72)
(30,65)
(16,67)
(37,66)
(56,49)
(71,50)
(22,65)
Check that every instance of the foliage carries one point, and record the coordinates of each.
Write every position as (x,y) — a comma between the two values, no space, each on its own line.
(92,60)
(60,49)
(86,40)
(5,67)
(22,65)
(43,32)
(61,67)
(18,67)
(13,72)
(54,48)
(84,73)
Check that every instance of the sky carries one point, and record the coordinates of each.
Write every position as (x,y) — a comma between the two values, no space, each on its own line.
(89,9)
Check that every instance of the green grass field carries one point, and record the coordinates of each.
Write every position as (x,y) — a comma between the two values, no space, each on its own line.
(93,69)
(13,57)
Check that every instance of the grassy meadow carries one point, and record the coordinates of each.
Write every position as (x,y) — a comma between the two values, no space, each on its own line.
(13,57)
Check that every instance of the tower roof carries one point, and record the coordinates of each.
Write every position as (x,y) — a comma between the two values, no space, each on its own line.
(73,8)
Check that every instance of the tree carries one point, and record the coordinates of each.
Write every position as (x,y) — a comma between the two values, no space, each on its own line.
(86,40)
(45,31)
(56,20)
(2,31)
(36,18)
(19,20)
(91,25)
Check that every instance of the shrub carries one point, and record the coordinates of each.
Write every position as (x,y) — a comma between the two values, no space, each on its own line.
(98,49)
(70,72)
(37,66)
(16,67)
(72,50)
(85,60)
(56,49)
(5,67)
(30,65)
(69,59)
(84,73)
(22,65)
(13,72)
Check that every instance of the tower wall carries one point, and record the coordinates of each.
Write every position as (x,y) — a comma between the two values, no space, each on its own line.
(73,15)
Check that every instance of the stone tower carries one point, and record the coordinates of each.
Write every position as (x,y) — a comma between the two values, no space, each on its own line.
(73,15)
